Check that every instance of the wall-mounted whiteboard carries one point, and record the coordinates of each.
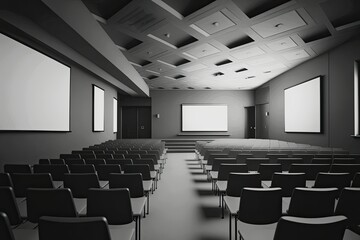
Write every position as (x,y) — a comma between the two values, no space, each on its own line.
(98,109)
(303,107)
(34,89)
(204,117)
(115,114)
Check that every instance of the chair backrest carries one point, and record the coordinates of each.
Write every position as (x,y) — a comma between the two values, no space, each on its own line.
(79,183)
(72,161)
(225,169)
(310,170)
(131,181)
(44,161)
(260,205)
(70,156)
(144,169)
(267,170)
(218,161)
(82,168)
(241,157)
(288,181)
(143,161)
(57,161)
(337,180)
(5,180)
(132,156)
(104,170)
(117,156)
(17,168)
(57,171)
(345,168)
(95,161)
(307,157)
(59,228)
(274,156)
(137,152)
(121,152)
(49,202)
(348,205)
(151,156)
(237,181)
(114,204)
(312,202)
(8,205)
(321,161)
(344,160)
(88,156)
(356,180)
(295,228)
(253,163)
(286,162)
(104,156)
(212,156)
(23,181)
(5,228)
(323,155)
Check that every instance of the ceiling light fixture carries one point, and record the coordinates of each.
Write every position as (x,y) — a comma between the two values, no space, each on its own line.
(167,35)
(278,25)
(249,77)
(216,24)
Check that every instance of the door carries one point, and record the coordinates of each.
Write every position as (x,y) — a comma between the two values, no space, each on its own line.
(262,121)
(136,122)
(250,122)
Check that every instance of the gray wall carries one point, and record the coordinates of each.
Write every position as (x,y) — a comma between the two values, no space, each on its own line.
(28,147)
(168,105)
(337,69)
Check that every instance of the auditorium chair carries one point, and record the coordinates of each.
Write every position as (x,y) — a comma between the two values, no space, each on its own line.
(104,170)
(310,170)
(82,168)
(17,168)
(267,170)
(329,180)
(9,206)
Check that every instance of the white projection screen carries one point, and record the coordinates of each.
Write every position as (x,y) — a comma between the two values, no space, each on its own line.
(115,107)
(303,107)
(98,109)
(34,90)
(204,117)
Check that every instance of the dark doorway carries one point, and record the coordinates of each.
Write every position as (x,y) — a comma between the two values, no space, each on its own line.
(136,122)
(262,119)
(250,122)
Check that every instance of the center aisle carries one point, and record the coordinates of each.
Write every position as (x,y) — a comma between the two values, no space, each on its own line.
(184,207)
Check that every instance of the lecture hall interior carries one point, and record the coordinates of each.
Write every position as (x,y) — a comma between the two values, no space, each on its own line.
(179,119)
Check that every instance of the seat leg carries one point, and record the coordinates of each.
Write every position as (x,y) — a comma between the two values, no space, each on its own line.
(222,206)
(148,203)
(230,226)
(136,228)
(139,229)
(235,227)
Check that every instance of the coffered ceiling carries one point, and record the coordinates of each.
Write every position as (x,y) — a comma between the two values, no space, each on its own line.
(223,44)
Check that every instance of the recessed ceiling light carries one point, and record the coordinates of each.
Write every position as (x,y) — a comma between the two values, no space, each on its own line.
(267,72)
(216,24)
(249,77)
(167,35)
(278,25)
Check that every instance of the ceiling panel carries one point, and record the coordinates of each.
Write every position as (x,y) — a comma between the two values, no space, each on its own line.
(105,8)
(248,53)
(187,7)
(315,33)
(214,23)
(255,7)
(234,39)
(203,50)
(279,24)
(281,44)
(295,55)
(174,60)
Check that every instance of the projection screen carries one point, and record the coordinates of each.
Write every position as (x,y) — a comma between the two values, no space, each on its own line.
(303,107)
(35,89)
(204,117)
(98,109)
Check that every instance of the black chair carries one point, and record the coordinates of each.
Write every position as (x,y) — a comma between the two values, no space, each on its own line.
(348,205)
(144,169)
(321,161)
(49,202)
(8,205)
(57,161)
(267,170)
(310,170)
(44,161)
(356,180)
(118,156)
(5,180)
(241,157)
(5,228)
(17,168)
(70,156)
(312,202)
(88,156)
(57,171)
(121,162)
(104,156)
(72,161)
(286,162)
(344,160)
(336,180)
(89,228)
(345,168)
(259,208)
(23,181)
(79,183)
(82,168)
(104,170)
(254,163)
(295,228)
(132,156)
(288,182)
(226,169)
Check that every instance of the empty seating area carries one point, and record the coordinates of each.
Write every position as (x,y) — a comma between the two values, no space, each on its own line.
(106,187)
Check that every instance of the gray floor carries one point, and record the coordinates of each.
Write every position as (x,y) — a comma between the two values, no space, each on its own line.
(183,207)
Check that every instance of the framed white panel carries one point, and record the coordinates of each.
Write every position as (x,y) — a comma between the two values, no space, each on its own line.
(35,89)
(115,115)
(204,118)
(302,105)
(98,109)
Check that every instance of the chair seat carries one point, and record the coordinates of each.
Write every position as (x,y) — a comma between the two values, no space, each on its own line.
(19,200)
(123,232)
(221,185)
(232,204)
(354,231)
(103,184)
(138,205)
(285,204)
(26,234)
(256,232)
(80,205)
(208,167)
(153,174)
(22,209)
(214,175)
(58,184)
(147,184)
(157,167)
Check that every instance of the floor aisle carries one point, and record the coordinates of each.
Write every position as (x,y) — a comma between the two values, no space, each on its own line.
(183,207)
